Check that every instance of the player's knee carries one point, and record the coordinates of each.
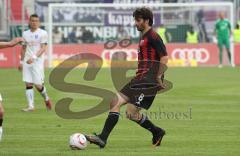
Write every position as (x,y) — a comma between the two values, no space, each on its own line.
(1,112)
(134,116)
(114,102)
(128,115)
(39,88)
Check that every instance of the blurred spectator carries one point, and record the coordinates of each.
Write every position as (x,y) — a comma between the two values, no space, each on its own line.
(57,16)
(122,33)
(236,34)
(87,36)
(72,36)
(191,35)
(203,37)
(162,32)
(57,35)
(170,1)
(69,14)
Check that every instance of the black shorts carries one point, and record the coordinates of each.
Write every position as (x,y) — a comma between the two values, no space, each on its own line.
(141,92)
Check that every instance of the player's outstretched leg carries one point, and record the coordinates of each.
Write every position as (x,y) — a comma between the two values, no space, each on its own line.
(43,91)
(1,117)
(30,98)
(133,113)
(110,123)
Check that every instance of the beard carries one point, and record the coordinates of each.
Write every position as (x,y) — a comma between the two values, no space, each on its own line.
(140,29)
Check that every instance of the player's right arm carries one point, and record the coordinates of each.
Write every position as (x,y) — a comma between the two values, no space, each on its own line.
(215,29)
(11,43)
(23,51)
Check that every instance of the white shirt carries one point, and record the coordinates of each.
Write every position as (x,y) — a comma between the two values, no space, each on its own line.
(33,41)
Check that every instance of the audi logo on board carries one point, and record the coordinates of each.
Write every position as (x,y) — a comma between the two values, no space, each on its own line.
(201,55)
(131,54)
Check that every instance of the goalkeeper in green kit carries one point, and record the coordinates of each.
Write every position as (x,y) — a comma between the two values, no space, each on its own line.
(223,32)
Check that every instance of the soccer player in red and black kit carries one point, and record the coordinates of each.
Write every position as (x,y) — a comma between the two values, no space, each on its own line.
(142,89)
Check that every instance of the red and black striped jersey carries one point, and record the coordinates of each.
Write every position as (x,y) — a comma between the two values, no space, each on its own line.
(151,49)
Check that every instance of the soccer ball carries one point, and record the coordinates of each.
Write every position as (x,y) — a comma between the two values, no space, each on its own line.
(77,141)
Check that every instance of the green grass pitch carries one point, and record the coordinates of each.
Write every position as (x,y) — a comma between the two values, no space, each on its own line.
(201,116)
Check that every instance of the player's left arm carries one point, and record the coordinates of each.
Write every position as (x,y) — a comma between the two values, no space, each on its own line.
(158,44)
(162,68)
(44,42)
(42,50)
(215,29)
(160,48)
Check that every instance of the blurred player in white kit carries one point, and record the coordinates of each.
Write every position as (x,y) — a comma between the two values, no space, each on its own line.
(32,62)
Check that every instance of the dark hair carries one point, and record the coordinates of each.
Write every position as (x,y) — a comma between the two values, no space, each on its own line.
(144,13)
(237,26)
(34,15)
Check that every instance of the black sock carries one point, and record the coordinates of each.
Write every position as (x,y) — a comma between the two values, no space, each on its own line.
(30,87)
(1,121)
(229,55)
(110,123)
(147,124)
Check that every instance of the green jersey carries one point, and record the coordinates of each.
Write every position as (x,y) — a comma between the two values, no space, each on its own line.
(223,28)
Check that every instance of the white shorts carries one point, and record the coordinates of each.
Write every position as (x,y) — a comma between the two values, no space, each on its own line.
(0,98)
(33,73)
